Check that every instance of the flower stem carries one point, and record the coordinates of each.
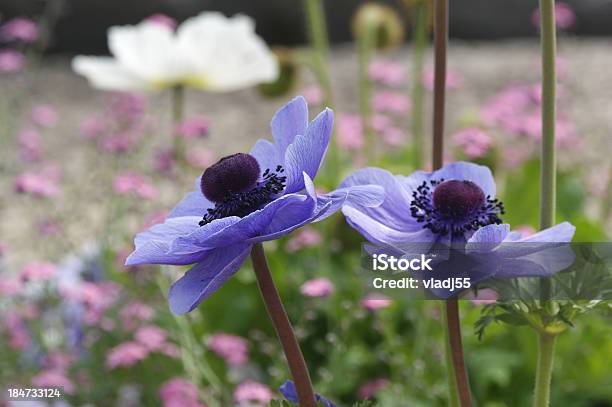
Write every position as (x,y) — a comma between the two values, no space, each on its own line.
(453,395)
(365,44)
(546,350)
(178,113)
(419,38)
(283,328)
(459,387)
(317,31)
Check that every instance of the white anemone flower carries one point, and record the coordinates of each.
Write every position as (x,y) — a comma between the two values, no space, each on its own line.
(209,52)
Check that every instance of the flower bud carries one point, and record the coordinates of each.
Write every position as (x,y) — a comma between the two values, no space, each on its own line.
(380,21)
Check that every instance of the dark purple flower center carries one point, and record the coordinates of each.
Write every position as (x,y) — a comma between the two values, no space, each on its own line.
(454,206)
(235,187)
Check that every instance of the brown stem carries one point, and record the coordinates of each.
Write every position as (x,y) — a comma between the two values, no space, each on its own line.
(454,339)
(440,44)
(452,308)
(283,328)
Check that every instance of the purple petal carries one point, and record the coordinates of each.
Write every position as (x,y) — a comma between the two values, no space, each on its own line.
(267,155)
(364,196)
(561,233)
(206,277)
(289,391)
(487,238)
(288,122)
(306,152)
(193,204)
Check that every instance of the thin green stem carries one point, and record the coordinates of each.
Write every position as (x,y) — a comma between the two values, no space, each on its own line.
(317,31)
(546,352)
(453,394)
(419,40)
(178,114)
(365,44)
(282,325)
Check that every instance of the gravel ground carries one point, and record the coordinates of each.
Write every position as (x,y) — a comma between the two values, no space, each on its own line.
(238,119)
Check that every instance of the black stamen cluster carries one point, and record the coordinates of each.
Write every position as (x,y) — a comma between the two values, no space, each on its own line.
(442,222)
(243,203)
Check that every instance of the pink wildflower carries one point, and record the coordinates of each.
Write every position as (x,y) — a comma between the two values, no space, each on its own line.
(233,349)
(317,287)
(134,313)
(30,146)
(11,61)
(389,101)
(19,29)
(375,301)
(565,17)
(350,131)
(178,392)
(200,157)
(54,378)
(132,183)
(38,271)
(125,354)
(192,128)
(151,337)
(19,337)
(44,116)
(250,391)
(10,286)
(387,72)
(93,127)
(313,95)
(475,142)
(305,237)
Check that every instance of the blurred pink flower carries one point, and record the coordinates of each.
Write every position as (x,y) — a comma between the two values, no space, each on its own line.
(48,227)
(179,392)
(474,141)
(151,337)
(317,287)
(19,337)
(134,313)
(59,360)
(10,286)
(453,79)
(375,301)
(380,123)
(350,131)
(387,72)
(313,95)
(125,354)
(305,237)
(250,391)
(170,350)
(485,296)
(163,19)
(54,378)
(192,128)
(369,389)
(564,16)
(394,136)
(390,101)
(119,143)
(44,116)
(30,146)
(127,108)
(200,157)
(164,160)
(132,183)
(93,127)
(233,349)
(19,29)
(38,271)
(11,61)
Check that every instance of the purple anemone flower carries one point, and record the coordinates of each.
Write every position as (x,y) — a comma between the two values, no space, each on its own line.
(245,199)
(454,206)
(289,392)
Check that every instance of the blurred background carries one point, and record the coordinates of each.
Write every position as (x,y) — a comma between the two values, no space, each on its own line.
(82,170)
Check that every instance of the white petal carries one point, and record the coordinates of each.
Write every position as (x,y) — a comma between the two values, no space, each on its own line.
(105,73)
(148,50)
(225,54)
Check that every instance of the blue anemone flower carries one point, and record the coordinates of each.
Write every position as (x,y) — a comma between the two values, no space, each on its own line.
(454,206)
(289,392)
(245,199)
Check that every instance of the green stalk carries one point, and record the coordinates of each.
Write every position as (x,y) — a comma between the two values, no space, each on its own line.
(317,32)
(366,40)
(548,40)
(178,114)
(546,354)
(453,394)
(419,37)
